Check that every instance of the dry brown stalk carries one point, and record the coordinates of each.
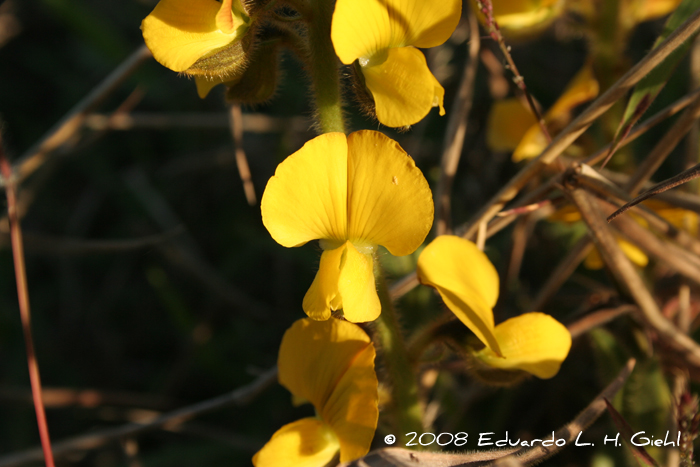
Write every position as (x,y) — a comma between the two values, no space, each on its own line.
(456,131)
(628,277)
(236,121)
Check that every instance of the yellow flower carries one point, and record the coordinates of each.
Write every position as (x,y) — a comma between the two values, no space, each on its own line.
(353,193)
(201,38)
(513,127)
(523,17)
(330,364)
(382,36)
(468,284)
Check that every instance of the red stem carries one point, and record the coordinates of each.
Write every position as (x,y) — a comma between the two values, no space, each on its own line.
(23,294)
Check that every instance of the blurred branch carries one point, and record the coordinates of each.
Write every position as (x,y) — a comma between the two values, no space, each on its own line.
(252,122)
(50,245)
(456,131)
(73,120)
(598,318)
(167,421)
(236,125)
(184,252)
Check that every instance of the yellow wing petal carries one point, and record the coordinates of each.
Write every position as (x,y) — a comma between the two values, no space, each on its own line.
(403,88)
(352,409)
(308,442)
(533,342)
(362,28)
(314,356)
(306,199)
(466,281)
(180,32)
(389,200)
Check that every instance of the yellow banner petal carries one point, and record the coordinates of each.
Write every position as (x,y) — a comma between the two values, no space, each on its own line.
(314,356)
(533,342)
(358,293)
(363,28)
(389,200)
(352,409)
(308,442)
(306,199)
(466,281)
(403,88)
(180,32)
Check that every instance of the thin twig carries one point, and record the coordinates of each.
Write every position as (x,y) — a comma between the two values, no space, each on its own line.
(598,318)
(486,7)
(456,131)
(168,421)
(73,120)
(24,310)
(564,139)
(562,272)
(645,126)
(659,188)
(236,121)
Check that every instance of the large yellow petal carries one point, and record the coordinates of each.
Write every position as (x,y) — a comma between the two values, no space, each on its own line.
(533,342)
(345,279)
(314,356)
(308,442)
(389,200)
(362,28)
(680,218)
(403,88)
(466,281)
(306,199)
(508,122)
(352,408)
(180,32)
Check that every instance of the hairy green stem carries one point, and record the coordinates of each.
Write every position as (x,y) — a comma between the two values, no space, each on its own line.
(323,66)
(407,410)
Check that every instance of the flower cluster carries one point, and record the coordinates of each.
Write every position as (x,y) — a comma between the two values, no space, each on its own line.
(354,194)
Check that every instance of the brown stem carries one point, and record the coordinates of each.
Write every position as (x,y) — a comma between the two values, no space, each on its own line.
(23,295)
